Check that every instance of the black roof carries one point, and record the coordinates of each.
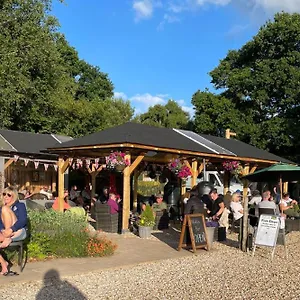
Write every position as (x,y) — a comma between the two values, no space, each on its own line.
(244,150)
(137,134)
(28,142)
(172,139)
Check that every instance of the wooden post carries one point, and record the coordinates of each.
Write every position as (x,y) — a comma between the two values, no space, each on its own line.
(194,172)
(135,189)
(228,134)
(126,189)
(62,167)
(126,196)
(245,208)
(285,187)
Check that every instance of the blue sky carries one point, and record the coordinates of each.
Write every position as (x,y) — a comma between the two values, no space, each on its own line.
(155,50)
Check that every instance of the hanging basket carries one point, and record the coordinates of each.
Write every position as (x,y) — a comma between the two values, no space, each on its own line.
(119,168)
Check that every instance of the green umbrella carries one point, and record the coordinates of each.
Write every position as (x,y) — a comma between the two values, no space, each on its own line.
(276,173)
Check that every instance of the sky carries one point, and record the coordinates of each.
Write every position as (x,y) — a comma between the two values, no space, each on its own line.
(155,50)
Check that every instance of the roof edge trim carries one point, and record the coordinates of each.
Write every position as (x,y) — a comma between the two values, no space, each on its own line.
(8,142)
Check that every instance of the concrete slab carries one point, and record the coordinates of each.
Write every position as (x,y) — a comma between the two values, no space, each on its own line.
(131,250)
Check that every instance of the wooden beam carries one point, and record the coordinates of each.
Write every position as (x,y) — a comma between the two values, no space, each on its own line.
(245,208)
(61,183)
(65,165)
(186,162)
(253,169)
(126,196)
(228,133)
(135,189)
(200,169)
(162,149)
(8,163)
(194,172)
(136,163)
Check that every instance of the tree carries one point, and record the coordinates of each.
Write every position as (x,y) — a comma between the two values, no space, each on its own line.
(40,72)
(170,115)
(261,81)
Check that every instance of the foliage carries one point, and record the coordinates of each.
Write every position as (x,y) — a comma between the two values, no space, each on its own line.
(170,115)
(116,158)
(147,188)
(44,86)
(259,96)
(147,217)
(100,247)
(230,165)
(62,235)
(181,170)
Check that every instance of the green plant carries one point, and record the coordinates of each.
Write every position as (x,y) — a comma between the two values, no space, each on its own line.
(148,188)
(58,234)
(147,217)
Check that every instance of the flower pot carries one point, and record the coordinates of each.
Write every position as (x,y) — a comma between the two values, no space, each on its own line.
(210,231)
(119,168)
(145,232)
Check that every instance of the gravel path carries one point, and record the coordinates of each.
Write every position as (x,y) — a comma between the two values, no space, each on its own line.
(223,273)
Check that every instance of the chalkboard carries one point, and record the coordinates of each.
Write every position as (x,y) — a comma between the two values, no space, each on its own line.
(196,235)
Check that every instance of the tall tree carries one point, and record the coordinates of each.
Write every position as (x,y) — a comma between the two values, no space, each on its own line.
(170,115)
(40,72)
(261,81)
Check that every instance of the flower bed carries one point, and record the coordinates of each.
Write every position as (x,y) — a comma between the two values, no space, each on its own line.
(54,234)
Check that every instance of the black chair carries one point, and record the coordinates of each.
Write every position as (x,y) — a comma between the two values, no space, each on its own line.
(104,219)
(38,196)
(21,248)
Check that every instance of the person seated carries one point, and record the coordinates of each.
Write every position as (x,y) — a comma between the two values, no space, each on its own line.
(55,205)
(113,203)
(236,206)
(44,191)
(104,195)
(288,206)
(256,198)
(194,204)
(13,223)
(159,205)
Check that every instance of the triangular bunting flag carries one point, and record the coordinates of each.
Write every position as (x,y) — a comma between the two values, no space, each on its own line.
(36,164)
(26,161)
(46,166)
(16,157)
(55,167)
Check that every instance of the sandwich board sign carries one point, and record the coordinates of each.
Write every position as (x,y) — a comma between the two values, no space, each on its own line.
(267,232)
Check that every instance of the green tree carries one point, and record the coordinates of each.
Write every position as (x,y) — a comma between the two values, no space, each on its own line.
(40,73)
(170,115)
(260,82)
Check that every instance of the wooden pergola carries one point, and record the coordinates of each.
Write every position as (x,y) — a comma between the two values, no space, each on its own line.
(157,145)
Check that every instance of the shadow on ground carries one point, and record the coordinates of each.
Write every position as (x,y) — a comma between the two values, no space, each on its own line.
(55,288)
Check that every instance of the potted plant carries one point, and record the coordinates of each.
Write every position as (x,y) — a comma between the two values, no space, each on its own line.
(211,231)
(117,160)
(178,168)
(146,222)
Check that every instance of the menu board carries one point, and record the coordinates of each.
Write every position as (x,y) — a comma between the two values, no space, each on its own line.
(267,231)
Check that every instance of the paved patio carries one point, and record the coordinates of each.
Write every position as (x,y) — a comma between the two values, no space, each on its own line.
(131,250)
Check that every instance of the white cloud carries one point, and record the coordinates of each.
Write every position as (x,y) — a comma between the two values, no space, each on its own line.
(142,102)
(148,99)
(167,19)
(272,6)
(120,95)
(143,9)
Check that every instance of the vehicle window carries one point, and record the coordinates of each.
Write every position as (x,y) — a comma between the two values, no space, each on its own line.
(213,180)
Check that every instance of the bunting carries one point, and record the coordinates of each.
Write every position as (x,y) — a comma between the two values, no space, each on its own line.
(46,166)
(26,161)
(36,164)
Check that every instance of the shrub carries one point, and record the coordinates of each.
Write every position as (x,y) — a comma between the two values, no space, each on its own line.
(100,247)
(147,217)
(59,234)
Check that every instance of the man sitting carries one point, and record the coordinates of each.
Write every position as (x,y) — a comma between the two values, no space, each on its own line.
(160,205)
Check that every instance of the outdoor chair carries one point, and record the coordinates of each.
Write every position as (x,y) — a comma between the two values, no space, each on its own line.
(21,248)
(104,219)
(39,196)
(30,204)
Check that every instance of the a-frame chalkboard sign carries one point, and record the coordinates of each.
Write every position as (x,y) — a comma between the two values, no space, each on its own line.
(194,226)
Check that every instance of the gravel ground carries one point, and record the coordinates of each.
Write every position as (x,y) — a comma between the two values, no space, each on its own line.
(222,273)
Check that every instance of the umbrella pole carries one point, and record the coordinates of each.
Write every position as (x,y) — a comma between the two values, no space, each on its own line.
(280,183)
